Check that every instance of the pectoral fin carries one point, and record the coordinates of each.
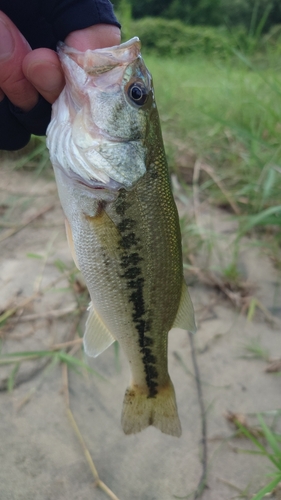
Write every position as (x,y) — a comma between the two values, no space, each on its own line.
(70,242)
(105,230)
(97,338)
(185,315)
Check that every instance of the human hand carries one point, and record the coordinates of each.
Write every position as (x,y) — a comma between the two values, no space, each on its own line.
(26,73)
(27,76)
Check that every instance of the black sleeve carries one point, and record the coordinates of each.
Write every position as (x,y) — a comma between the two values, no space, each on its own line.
(69,15)
(43,23)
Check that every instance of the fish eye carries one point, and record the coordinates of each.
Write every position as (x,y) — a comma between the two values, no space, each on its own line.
(138,93)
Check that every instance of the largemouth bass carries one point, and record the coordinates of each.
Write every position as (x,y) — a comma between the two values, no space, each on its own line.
(122,224)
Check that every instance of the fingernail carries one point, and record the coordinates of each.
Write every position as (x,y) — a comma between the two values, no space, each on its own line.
(7,44)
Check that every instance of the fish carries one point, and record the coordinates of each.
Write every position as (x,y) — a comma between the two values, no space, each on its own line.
(122,224)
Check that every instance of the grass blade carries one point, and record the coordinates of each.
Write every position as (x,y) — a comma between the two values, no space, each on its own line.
(268,488)
(12,377)
(257,443)
(74,363)
(271,439)
(260,218)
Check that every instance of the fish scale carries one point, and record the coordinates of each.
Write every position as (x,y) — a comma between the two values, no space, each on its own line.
(124,233)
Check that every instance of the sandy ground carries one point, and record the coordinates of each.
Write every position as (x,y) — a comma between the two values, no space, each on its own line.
(40,455)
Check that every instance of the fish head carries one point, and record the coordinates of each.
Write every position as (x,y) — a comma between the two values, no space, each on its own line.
(100,122)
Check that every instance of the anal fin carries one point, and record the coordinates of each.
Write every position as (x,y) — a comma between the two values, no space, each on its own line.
(97,338)
(185,316)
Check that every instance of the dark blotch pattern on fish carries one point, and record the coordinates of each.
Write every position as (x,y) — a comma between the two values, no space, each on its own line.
(121,205)
(125,224)
(128,241)
(130,259)
(132,272)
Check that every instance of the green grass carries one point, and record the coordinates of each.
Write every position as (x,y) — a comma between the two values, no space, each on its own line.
(19,357)
(269,446)
(228,113)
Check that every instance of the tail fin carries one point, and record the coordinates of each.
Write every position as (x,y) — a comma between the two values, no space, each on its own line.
(140,411)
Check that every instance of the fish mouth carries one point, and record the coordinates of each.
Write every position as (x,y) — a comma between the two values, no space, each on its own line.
(98,61)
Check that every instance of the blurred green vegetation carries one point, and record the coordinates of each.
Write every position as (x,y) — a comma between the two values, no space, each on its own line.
(173,38)
(228,114)
(252,14)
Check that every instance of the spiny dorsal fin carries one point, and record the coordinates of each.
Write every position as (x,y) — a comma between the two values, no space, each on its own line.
(97,338)
(185,315)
